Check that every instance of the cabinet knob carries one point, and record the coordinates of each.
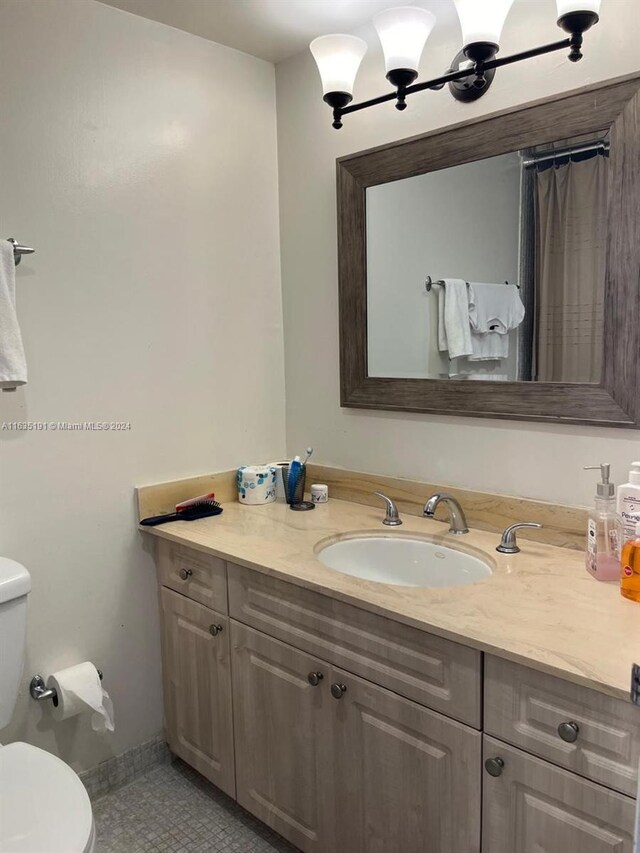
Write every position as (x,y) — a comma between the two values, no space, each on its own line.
(494,766)
(185,574)
(314,678)
(338,690)
(214,630)
(569,731)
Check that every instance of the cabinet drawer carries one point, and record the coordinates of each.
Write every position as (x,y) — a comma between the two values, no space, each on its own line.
(533,806)
(206,576)
(434,672)
(530,709)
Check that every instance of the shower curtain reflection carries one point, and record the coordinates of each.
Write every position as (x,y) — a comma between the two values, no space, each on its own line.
(571,225)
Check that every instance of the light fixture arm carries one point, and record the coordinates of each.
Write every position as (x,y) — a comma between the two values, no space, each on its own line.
(477,70)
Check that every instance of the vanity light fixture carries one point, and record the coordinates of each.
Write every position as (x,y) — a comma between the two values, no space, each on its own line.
(403,33)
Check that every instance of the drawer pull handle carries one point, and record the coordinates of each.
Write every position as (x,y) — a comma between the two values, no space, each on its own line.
(314,678)
(338,690)
(185,574)
(494,766)
(569,731)
(214,630)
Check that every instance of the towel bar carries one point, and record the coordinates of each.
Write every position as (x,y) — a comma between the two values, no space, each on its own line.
(429,282)
(19,250)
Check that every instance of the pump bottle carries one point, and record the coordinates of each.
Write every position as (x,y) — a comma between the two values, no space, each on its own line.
(629,502)
(604,530)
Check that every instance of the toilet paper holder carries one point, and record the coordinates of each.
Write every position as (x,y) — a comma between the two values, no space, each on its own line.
(39,689)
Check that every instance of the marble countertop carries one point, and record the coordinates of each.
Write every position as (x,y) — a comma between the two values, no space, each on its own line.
(539,608)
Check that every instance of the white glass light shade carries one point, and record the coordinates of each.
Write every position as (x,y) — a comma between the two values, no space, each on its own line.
(482,20)
(338,58)
(403,33)
(566,6)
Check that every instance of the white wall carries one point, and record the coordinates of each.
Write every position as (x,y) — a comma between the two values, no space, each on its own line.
(542,461)
(429,225)
(140,161)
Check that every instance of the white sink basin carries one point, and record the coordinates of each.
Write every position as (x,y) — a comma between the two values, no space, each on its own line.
(403,561)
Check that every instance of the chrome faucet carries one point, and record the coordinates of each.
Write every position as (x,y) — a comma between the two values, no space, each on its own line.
(457,518)
(508,543)
(392,518)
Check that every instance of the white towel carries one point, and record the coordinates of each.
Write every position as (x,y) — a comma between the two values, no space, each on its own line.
(442,335)
(13,365)
(454,331)
(494,308)
(489,347)
(488,377)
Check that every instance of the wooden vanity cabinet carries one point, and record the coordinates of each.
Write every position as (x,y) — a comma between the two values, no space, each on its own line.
(350,733)
(282,736)
(531,806)
(405,779)
(337,764)
(197,687)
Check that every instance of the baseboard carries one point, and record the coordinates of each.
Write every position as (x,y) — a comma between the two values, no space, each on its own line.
(122,769)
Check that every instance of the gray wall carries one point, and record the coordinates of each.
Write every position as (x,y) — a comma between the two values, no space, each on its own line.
(154,297)
(461,222)
(536,460)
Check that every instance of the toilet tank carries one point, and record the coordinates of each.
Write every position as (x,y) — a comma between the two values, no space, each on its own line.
(15,584)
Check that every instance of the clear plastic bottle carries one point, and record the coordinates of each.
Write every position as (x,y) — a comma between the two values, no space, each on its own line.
(604,531)
(629,501)
(630,572)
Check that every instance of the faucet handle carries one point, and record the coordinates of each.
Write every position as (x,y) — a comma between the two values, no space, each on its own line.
(392,518)
(508,543)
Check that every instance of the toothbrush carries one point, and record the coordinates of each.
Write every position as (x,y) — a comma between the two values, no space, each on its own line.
(309,451)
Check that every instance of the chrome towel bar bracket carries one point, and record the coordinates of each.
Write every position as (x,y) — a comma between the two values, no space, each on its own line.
(19,250)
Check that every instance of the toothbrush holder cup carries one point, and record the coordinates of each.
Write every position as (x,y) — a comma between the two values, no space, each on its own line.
(295,495)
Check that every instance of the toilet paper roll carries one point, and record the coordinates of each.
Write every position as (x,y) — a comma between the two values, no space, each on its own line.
(256,484)
(80,691)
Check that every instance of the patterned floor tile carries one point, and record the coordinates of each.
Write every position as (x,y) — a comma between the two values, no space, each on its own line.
(172,809)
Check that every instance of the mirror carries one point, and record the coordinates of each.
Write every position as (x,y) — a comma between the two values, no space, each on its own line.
(504,250)
(492,270)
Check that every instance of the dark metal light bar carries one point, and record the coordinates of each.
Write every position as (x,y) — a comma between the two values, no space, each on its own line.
(476,70)
(483,65)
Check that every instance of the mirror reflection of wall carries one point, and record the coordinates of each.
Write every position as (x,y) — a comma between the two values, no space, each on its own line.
(518,241)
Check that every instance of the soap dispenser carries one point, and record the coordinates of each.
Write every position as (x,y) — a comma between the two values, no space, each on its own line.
(604,531)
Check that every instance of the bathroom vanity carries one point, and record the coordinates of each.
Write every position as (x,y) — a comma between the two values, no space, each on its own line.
(355,717)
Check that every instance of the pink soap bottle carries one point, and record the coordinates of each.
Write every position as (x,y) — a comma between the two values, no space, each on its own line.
(604,530)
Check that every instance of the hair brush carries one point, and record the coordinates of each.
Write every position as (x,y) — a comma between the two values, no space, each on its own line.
(189,511)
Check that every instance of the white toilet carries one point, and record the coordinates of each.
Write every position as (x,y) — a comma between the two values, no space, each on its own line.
(44,807)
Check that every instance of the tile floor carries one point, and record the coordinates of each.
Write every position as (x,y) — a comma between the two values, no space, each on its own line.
(172,809)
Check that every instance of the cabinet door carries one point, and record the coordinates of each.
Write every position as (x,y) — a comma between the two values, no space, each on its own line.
(197,687)
(533,807)
(281,734)
(406,779)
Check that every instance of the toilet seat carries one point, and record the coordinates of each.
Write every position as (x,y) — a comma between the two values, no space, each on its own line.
(44,807)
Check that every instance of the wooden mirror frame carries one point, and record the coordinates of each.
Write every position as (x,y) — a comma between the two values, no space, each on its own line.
(613,105)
